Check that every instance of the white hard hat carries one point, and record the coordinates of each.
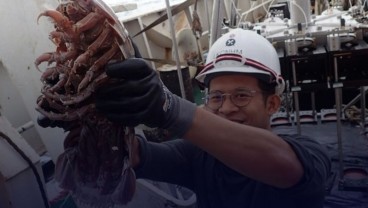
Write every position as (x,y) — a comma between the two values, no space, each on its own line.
(243,51)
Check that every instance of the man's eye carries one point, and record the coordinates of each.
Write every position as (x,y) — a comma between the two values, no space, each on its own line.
(243,95)
(215,97)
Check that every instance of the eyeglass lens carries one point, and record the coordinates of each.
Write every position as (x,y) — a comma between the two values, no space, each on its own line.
(239,98)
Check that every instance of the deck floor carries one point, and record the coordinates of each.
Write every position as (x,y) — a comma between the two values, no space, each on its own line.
(355,154)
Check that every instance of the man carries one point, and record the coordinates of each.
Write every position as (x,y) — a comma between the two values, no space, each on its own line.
(225,152)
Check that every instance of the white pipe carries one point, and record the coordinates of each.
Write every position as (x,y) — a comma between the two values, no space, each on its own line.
(320,18)
(207,12)
(300,11)
(234,15)
(178,66)
(264,7)
(269,7)
(146,43)
(25,127)
(256,7)
(216,24)
(252,5)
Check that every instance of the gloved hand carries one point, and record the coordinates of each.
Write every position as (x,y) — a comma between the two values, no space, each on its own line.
(139,97)
(45,122)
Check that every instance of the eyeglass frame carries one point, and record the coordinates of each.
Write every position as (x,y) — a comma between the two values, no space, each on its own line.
(252,92)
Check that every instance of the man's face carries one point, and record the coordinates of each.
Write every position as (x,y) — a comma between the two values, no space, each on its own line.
(256,113)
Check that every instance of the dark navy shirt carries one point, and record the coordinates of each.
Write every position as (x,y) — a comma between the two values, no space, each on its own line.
(217,186)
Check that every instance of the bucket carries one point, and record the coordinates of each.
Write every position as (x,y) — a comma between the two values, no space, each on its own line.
(355,173)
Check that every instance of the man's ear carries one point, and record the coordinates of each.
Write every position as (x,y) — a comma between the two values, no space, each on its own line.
(273,104)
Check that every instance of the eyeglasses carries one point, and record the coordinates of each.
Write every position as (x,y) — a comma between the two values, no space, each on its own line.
(240,98)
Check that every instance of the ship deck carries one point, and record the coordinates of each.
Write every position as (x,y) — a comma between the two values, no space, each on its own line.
(344,190)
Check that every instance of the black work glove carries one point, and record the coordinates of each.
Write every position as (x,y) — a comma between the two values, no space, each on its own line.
(45,122)
(139,97)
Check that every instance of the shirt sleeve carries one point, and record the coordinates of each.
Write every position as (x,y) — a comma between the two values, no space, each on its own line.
(316,164)
(167,161)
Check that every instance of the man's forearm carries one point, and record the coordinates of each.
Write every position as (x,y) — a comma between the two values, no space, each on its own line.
(253,152)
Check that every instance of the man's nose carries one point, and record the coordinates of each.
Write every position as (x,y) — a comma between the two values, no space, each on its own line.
(227,105)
